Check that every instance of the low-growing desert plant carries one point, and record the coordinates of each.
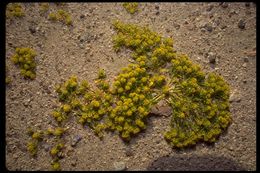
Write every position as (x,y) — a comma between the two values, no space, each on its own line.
(199,101)
(131,7)
(25,59)
(14,10)
(62,16)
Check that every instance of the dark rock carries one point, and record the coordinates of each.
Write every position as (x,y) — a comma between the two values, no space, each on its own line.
(157,7)
(208,27)
(82,16)
(247,4)
(241,24)
(177,26)
(246,59)
(157,13)
(32,29)
(212,57)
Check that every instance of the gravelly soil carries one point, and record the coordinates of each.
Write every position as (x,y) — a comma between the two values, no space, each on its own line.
(202,30)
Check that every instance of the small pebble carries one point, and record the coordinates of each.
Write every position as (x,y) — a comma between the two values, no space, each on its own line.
(212,57)
(224,5)
(75,140)
(208,27)
(129,152)
(32,29)
(73,163)
(246,59)
(247,4)
(241,24)
(82,16)
(119,166)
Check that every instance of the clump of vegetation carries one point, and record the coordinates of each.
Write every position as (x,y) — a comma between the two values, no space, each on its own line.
(61,16)
(199,101)
(8,79)
(44,7)
(131,7)
(36,137)
(25,59)
(55,153)
(14,10)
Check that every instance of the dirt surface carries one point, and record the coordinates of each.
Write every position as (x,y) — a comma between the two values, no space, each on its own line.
(206,32)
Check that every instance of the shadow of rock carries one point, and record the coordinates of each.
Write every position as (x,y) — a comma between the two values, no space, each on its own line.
(195,163)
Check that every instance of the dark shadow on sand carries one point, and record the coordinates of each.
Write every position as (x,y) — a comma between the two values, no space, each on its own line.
(195,163)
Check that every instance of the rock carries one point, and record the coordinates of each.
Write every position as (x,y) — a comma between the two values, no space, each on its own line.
(157,13)
(119,166)
(247,4)
(224,5)
(32,29)
(246,59)
(82,16)
(163,110)
(46,147)
(244,81)
(157,7)
(244,65)
(129,152)
(241,24)
(177,26)
(212,57)
(75,140)
(234,96)
(61,155)
(27,102)
(73,163)
(209,8)
(209,27)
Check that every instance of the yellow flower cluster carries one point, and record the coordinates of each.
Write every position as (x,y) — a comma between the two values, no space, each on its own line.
(25,59)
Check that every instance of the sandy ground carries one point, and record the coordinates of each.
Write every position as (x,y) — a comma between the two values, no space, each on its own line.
(224,32)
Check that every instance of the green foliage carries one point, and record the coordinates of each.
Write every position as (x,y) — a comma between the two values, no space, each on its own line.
(14,10)
(61,16)
(25,59)
(131,7)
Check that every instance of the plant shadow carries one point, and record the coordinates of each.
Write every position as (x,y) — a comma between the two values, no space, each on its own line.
(195,163)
